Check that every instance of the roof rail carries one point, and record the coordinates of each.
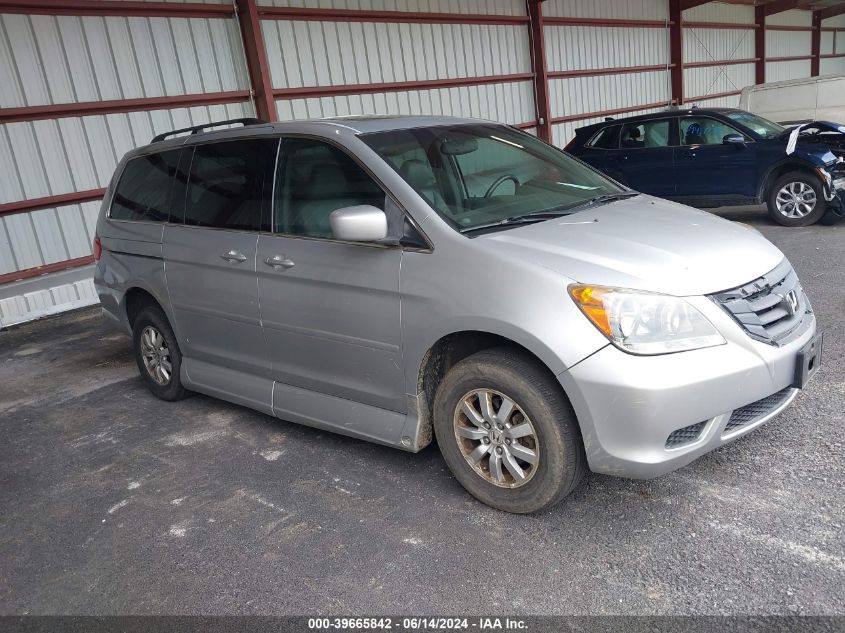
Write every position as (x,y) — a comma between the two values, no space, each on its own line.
(199,128)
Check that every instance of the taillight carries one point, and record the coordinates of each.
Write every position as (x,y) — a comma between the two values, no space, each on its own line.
(571,145)
(98,248)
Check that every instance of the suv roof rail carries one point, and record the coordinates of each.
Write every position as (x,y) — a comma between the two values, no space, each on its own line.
(196,129)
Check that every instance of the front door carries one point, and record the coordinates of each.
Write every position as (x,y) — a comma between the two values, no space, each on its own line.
(209,254)
(707,167)
(330,309)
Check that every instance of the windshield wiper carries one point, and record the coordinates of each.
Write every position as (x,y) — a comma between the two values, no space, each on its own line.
(529,218)
(606,198)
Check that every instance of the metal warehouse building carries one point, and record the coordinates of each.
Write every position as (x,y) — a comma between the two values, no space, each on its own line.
(83,81)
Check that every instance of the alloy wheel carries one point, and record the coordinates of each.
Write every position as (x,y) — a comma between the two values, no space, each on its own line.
(796,200)
(156,355)
(496,438)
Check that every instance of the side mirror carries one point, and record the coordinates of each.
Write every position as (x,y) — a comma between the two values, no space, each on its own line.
(362,223)
(734,139)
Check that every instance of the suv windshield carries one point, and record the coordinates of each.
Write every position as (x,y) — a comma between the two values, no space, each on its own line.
(479,176)
(763,127)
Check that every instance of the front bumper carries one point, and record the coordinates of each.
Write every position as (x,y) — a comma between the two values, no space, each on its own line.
(838,202)
(629,406)
(834,189)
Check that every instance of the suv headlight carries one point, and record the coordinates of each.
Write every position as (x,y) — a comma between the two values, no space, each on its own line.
(644,322)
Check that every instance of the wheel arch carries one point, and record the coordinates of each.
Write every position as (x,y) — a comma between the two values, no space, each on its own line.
(780,169)
(452,348)
(136,299)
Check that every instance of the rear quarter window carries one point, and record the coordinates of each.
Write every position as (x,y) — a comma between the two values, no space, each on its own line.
(143,191)
(607,138)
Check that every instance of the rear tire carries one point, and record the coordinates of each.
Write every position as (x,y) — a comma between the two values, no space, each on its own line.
(157,354)
(796,199)
(526,425)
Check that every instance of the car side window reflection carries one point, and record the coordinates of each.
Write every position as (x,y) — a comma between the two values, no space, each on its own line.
(704,131)
(645,134)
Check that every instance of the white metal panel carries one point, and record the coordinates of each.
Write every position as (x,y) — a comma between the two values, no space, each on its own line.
(827,42)
(584,95)
(628,10)
(721,12)
(788,44)
(832,66)
(506,102)
(69,59)
(579,47)
(699,82)
(334,53)
(562,133)
(47,236)
(781,71)
(705,45)
(492,7)
(835,22)
(794,17)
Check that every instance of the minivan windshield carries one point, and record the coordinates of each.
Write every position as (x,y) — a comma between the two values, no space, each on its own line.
(482,176)
(763,127)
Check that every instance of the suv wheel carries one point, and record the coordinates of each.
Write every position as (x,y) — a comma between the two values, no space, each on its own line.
(797,199)
(507,432)
(157,354)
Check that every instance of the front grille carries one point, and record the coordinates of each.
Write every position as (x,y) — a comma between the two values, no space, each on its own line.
(755,411)
(685,435)
(763,306)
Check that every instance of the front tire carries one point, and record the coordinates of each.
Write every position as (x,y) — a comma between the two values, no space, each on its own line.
(796,199)
(507,431)
(157,354)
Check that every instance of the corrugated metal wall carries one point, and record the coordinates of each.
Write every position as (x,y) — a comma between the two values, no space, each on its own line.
(574,48)
(48,60)
(706,44)
(782,43)
(833,43)
(489,7)
(314,54)
(613,9)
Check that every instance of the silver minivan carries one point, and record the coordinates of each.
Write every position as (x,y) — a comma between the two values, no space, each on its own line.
(402,278)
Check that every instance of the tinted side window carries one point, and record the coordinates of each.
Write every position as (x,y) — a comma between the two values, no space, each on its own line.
(143,192)
(704,131)
(314,179)
(608,138)
(646,134)
(226,185)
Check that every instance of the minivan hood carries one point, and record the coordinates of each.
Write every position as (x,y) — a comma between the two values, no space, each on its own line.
(643,243)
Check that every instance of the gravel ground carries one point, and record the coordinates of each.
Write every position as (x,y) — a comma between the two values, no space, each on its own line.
(114,502)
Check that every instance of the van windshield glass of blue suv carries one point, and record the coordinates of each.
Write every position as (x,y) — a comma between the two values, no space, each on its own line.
(763,127)
(487,177)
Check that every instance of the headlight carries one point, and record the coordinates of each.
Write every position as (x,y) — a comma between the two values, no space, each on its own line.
(644,322)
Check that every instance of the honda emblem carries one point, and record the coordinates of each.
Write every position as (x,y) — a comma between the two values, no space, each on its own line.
(791,301)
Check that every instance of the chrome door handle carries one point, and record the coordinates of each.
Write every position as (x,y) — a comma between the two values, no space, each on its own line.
(234,256)
(279,261)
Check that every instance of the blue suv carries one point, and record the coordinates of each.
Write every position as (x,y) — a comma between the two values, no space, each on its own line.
(722,156)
